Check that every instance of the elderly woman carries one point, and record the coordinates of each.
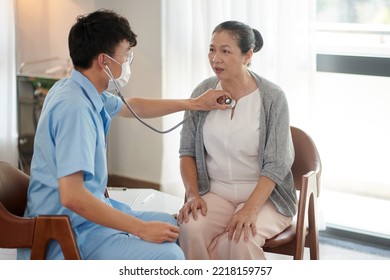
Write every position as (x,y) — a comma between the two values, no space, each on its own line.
(236,164)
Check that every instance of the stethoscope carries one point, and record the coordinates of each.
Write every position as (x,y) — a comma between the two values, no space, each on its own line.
(228,101)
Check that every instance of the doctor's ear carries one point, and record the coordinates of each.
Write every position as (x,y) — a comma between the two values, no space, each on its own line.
(101,59)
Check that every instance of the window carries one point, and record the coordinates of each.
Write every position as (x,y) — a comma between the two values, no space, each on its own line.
(354,11)
(353,101)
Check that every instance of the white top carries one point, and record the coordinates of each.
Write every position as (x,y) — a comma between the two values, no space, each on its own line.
(232,146)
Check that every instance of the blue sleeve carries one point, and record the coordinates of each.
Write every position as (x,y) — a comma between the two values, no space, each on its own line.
(75,136)
(112,103)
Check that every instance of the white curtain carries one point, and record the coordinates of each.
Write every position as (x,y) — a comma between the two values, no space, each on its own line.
(8,121)
(287,57)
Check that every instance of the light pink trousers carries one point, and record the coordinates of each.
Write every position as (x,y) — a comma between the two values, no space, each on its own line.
(206,237)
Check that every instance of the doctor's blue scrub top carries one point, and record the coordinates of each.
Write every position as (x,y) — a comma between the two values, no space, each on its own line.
(71,137)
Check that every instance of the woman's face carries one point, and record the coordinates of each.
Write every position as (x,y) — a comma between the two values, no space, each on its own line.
(225,56)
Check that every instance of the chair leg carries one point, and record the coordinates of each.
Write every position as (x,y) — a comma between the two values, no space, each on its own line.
(314,252)
(313,234)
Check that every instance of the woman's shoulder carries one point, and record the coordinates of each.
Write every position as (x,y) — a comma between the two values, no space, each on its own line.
(206,84)
(265,84)
(211,81)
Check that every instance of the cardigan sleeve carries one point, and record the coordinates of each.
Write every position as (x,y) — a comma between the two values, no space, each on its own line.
(190,129)
(278,154)
(277,150)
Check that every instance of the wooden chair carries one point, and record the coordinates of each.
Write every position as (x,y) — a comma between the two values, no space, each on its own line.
(303,232)
(17,231)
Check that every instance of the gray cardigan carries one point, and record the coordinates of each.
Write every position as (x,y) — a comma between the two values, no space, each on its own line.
(276,151)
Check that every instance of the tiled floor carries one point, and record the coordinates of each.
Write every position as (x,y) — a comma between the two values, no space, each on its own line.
(327,252)
(329,249)
(330,252)
(7,254)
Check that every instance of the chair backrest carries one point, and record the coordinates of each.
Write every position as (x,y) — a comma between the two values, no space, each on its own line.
(13,189)
(306,159)
(17,231)
(303,232)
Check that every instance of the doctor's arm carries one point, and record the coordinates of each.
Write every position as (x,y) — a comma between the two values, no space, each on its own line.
(152,108)
(77,198)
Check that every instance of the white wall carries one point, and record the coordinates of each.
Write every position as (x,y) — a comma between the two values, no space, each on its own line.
(134,150)
(42,27)
(42,31)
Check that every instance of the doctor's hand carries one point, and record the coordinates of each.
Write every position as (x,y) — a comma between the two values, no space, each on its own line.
(192,205)
(212,99)
(158,232)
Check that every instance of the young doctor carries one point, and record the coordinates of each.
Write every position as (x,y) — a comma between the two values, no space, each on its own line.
(69,169)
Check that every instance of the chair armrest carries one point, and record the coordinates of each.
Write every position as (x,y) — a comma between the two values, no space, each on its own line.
(311,204)
(307,196)
(58,228)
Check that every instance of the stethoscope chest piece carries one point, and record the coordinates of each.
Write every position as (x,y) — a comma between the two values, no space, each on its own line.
(230,101)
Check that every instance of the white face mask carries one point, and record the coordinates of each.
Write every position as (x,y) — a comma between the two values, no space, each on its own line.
(123,79)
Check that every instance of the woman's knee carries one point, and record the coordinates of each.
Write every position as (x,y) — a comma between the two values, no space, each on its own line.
(231,246)
(193,227)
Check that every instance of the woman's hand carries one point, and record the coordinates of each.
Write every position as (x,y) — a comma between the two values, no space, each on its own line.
(158,232)
(244,221)
(212,99)
(192,205)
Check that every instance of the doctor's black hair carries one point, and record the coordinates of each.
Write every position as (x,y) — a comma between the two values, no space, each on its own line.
(95,33)
(247,38)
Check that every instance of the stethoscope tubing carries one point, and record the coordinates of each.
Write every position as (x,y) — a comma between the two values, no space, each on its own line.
(119,93)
